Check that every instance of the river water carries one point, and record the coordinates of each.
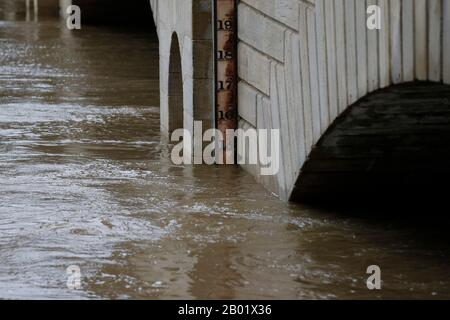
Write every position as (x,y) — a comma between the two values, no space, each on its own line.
(85,180)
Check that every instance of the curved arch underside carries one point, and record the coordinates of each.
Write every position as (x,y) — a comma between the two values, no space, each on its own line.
(392,144)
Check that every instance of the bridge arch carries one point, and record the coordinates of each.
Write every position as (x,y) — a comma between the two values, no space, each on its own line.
(391,146)
(175,95)
(190,20)
(318,58)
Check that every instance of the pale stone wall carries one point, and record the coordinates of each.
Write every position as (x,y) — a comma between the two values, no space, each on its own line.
(302,63)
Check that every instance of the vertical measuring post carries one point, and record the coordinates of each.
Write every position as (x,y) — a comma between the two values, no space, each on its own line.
(226,78)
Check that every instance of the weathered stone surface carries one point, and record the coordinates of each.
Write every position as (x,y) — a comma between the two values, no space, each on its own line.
(261,32)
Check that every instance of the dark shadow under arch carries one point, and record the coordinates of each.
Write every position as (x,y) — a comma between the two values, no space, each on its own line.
(117,13)
(391,146)
(175,86)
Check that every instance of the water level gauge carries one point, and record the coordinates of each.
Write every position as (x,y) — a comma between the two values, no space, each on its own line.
(226,66)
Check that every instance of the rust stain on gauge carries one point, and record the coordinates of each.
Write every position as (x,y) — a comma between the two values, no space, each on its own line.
(226,67)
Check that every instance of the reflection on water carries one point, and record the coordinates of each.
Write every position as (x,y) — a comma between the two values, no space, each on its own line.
(85,180)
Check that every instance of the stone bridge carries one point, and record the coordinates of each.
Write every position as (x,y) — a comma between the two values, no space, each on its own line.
(308,68)
(304,64)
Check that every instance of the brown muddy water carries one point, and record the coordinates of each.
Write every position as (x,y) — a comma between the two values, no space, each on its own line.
(86,180)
